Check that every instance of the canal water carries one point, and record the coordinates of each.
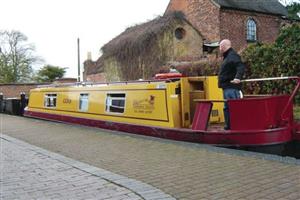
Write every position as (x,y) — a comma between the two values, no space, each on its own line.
(291,149)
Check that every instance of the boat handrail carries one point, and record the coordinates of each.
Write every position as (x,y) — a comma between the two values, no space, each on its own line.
(270,79)
(292,96)
(210,100)
(78,84)
(59,85)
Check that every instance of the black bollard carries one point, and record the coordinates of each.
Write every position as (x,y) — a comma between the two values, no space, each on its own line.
(1,103)
(22,103)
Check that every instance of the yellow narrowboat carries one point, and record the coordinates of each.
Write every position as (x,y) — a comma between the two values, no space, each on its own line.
(183,108)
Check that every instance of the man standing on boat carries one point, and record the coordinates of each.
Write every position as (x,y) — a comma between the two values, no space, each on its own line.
(230,75)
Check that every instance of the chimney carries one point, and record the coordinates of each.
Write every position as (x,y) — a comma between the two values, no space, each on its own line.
(89,55)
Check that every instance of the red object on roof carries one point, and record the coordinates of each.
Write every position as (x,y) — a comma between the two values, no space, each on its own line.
(168,75)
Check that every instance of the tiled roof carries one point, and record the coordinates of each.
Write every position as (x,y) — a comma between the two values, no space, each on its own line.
(262,6)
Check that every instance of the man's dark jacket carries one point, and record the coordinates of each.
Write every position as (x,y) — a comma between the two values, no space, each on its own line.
(231,68)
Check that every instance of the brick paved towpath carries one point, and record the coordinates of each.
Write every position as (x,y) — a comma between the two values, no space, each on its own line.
(29,172)
(182,170)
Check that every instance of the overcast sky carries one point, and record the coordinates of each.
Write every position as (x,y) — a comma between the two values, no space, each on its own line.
(53,26)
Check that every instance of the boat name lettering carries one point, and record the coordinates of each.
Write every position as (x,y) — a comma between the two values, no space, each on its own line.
(66,100)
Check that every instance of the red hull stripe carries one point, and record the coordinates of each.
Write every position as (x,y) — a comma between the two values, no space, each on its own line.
(220,138)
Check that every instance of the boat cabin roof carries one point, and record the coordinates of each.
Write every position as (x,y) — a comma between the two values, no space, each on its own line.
(158,84)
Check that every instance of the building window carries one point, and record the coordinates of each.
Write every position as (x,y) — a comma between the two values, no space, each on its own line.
(180,33)
(50,100)
(251,30)
(84,102)
(115,103)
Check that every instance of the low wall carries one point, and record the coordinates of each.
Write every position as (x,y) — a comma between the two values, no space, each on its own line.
(13,90)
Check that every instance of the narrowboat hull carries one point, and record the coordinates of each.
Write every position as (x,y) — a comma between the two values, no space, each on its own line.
(218,137)
(296,136)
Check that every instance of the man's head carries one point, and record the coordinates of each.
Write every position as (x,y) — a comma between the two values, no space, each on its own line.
(224,45)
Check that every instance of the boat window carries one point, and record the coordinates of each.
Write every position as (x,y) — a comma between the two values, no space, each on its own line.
(115,103)
(50,100)
(84,102)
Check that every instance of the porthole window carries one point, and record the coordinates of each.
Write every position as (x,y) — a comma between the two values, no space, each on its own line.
(251,30)
(180,33)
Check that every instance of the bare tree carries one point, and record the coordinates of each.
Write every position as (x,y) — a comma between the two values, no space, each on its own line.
(288,2)
(16,57)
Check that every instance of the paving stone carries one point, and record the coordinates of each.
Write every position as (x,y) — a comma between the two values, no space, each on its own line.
(56,179)
(183,170)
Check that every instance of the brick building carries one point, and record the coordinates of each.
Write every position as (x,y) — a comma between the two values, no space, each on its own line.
(93,70)
(139,51)
(242,22)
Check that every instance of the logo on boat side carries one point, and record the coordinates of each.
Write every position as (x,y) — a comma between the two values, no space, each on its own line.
(144,105)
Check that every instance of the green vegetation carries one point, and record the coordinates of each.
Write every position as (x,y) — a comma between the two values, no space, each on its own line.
(294,10)
(273,60)
(49,73)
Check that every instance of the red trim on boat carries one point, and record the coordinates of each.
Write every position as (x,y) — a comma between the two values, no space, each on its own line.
(296,135)
(215,137)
